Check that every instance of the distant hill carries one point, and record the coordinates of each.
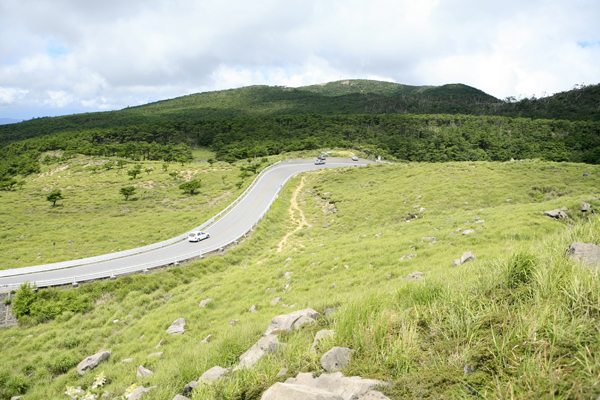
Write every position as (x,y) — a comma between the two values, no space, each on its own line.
(5,121)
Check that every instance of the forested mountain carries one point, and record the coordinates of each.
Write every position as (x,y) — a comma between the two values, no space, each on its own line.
(427,123)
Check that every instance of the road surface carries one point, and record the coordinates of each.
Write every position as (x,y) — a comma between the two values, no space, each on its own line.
(235,223)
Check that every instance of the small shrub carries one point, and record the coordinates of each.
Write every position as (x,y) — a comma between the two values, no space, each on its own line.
(520,270)
(62,362)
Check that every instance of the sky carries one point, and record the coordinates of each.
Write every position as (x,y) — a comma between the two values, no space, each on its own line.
(69,56)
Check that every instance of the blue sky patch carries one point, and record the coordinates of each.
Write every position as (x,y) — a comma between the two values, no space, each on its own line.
(587,43)
(56,50)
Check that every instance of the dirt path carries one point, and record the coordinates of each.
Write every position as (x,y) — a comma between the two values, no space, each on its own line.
(301,221)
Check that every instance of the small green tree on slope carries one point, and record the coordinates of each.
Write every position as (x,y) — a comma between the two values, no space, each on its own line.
(54,196)
(191,186)
(127,191)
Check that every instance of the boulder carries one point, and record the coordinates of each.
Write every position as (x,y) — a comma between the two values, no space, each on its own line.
(177,327)
(336,358)
(187,390)
(338,385)
(143,372)
(322,334)
(281,391)
(213,374)
(468,231)
(585,206)
(204,302)
(265,345)
(415,276)
(92,361)
(586,253)
(158,354)
(291,321)
(556,214)
(467,256)
(139,392)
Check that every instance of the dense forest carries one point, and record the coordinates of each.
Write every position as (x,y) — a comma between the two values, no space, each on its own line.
(450,122)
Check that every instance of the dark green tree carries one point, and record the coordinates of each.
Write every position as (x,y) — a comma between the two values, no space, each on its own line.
(135,171)
(54,196)
(23,300)
(191,186)
(127,191)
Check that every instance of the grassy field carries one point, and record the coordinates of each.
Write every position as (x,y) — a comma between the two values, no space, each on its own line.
(523,315)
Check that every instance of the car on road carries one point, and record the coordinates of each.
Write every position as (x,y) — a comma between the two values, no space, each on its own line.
(319,162)
(197,236)
(354,158)
(321,157)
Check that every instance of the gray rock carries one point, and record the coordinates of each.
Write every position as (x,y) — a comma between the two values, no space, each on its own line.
(337,384)
(456,262)
(468,231)
(265,345)
(565,208)
(282,372)
(160,343)
(289,322)
(469,369)
(213,374)
(180,397)
(467,256)
(322,334)
(586,253)
(556,214)
(336,358)
(275,301)
(233,322)
(585,206)
(288,275)
(15,397)
(285,391)
(127,361)
(160,353)
(586,174)
(92,361)
(288,259)
(177,327)
(187,390)
(143,372)
(69,242)
(207,339)
(140,391)
(328,311)
(374,395)
(204,302)
(415,276)
(252,309)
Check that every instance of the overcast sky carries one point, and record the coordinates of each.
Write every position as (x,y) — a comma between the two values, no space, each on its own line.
(67,56)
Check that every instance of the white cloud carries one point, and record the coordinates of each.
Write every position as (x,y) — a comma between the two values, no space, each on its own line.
(74,55)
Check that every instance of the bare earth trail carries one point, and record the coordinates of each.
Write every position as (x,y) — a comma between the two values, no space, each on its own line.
(302,222)
(229,228)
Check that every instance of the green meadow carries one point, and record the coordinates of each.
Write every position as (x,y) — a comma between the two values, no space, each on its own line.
(522,315)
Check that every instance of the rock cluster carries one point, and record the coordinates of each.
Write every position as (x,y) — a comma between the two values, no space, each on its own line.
(326,387)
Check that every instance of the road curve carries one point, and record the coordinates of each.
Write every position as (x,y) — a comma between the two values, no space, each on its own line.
(229,228)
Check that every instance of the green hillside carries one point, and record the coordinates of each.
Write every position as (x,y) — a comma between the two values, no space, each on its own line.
(522,316)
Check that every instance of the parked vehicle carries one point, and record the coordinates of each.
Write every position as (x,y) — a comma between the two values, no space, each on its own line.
(321,157)
(354,158)
(319,162)
(197,236)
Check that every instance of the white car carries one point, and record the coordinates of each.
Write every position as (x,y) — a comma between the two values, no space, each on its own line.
(319,162)
(354,158)
(198,236)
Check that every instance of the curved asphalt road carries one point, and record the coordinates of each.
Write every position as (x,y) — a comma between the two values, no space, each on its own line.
(222,232)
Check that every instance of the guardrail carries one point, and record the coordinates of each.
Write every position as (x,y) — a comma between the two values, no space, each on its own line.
(125,253)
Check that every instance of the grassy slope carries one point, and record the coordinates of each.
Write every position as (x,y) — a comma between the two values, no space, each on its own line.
(530,340)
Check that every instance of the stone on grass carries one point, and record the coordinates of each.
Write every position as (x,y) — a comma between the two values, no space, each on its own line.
(177,327)
(322,334)
(213,374)
(282,372)
(143,372)
(415,276)
(281,391)
(92,361)
(265,345)
(275,301)
(291,321)
(585,206)
(204,302)
(556,214)
(127,361)
(155,354)
(180,397)
(328,311)
(140,391)
(160,343)
(469,369)
(207,339)
(336,358)
(252,309)
(468,231)
(288,259)
(586,253)
(187,390)
(288,275)
(586,174)
(467,256)
(233,322)
(336,384)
